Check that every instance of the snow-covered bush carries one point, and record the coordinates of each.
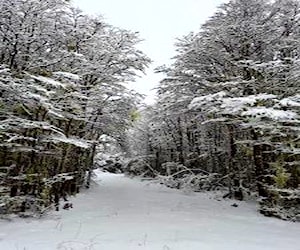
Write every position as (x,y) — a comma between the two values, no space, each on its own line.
(139,167)
(192,182)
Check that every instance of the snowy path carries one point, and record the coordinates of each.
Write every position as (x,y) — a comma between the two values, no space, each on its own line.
(124,214)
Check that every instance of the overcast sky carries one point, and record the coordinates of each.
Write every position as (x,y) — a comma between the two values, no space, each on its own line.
(159,22)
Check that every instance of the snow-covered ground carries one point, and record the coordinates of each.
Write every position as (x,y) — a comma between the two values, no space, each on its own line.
(119,213)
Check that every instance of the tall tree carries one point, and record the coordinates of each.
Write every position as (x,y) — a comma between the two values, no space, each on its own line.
(63,85)
(223,103)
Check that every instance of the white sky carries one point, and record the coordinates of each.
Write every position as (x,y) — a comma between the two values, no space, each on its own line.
(159,22)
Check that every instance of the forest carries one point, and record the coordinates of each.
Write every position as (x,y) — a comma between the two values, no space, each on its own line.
(63,92)
(227,115)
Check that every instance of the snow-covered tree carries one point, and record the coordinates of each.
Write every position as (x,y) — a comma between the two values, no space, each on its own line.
(63,85)
(223,104)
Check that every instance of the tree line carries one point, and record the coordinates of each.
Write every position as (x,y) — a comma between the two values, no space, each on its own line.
(227,115)
(63,78)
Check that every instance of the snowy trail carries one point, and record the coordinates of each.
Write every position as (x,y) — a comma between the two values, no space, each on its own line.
(119,213)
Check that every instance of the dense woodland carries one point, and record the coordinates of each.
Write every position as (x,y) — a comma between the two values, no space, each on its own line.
(63,94)
(227,116)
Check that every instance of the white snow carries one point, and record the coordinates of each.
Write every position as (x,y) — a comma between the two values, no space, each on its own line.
(237,104)
(293,101)
(55,114)
(201,100)
(36,97)
(231,105)
(49,81)
(71,140)
(274,114)
(249,106)
(68,75)
(119,213)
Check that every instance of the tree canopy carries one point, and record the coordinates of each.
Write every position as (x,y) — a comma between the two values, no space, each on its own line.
(62,86)
(228,109)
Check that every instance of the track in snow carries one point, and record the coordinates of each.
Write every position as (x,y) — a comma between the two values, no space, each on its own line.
(119,213)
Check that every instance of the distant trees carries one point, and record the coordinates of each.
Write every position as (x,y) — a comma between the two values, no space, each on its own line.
(62,86)
(228,108)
